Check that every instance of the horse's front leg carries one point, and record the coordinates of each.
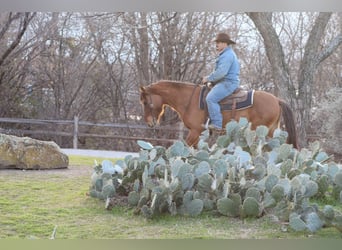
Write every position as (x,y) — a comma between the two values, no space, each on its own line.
(193,138)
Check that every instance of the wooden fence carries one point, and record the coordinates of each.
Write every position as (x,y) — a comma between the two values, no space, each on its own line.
(73,127)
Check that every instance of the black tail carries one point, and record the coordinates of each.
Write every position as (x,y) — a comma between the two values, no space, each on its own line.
(290,125)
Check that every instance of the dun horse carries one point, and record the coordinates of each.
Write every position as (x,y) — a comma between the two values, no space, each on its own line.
(184,99)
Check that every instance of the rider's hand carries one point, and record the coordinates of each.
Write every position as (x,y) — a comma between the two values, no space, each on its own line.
(204,80)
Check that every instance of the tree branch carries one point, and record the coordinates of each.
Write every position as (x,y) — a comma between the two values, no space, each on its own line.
(329,49)
(309,61)
(274,51)
(21,30)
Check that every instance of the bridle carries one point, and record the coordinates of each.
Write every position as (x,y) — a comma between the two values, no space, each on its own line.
(151,105)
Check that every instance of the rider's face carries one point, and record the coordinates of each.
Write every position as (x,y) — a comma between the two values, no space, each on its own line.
(220,46)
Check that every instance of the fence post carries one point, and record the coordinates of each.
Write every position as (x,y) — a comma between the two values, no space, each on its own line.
(181,132)
(75,132)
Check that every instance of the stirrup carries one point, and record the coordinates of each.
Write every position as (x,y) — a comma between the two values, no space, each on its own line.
(216,130)
(209,126)
(206,125)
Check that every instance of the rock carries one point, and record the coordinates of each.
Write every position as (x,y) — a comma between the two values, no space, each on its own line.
(27,153)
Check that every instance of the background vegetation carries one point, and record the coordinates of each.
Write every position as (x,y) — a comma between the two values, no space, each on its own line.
(58,65)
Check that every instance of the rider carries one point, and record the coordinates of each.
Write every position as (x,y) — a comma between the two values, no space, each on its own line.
(224,79)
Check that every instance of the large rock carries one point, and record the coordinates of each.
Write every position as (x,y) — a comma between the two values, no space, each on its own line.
(27,153)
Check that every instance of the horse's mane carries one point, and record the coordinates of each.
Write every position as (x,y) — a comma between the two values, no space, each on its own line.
(174,84)
(164,86)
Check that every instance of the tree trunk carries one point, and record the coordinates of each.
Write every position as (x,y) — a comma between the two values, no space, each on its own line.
(308,66)
(301,100)
(144,75)
(275,54)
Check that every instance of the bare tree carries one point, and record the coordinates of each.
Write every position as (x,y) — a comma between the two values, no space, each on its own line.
(300,97)
(63,69)
(13,61)
(114,56)
(327,121)
(174,45)
(57,65)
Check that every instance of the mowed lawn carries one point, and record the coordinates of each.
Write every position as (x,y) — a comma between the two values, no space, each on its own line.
(54,204)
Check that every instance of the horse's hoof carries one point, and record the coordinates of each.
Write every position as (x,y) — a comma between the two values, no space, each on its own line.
(215,130)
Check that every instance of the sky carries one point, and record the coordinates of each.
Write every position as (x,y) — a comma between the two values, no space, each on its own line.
(171,5)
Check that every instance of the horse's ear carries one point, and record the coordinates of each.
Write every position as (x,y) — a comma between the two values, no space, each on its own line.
(142,89)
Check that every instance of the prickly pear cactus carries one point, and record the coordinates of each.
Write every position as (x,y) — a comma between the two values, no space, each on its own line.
(243,174)
(229,206)
(103,182)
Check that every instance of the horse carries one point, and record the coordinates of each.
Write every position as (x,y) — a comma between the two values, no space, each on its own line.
(183,97)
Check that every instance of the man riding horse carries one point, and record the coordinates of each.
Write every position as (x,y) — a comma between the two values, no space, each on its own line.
(225,79)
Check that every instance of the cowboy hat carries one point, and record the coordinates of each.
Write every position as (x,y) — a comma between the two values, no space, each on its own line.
(224,38)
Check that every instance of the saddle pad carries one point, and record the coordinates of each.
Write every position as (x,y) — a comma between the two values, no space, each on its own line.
(242,102)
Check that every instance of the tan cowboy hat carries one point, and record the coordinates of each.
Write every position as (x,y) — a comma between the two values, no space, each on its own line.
(224,38)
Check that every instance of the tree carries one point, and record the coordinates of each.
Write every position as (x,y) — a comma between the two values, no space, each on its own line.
(299,94)
(56,65)
(62,74)
(328,123)
(172,45)
(14,60)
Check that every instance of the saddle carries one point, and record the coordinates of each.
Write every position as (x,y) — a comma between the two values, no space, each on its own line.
(239,99)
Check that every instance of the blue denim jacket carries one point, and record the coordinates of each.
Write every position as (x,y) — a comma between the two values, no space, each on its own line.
(227,68)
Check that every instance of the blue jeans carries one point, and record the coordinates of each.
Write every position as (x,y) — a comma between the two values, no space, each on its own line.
(216,94)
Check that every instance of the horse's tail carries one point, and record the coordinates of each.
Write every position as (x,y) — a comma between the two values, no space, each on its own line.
(290,125)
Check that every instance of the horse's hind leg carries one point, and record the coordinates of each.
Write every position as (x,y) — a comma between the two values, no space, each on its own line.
(274,126)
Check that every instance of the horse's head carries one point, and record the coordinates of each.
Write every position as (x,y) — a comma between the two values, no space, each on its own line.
(152,105)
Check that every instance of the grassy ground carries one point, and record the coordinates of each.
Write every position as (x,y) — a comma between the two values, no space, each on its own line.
(34,204)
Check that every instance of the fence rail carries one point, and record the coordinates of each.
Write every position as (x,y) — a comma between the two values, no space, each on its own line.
(75,133)
(75,124)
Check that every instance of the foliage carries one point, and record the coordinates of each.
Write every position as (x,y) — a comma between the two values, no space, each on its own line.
(244,174)
(326,120)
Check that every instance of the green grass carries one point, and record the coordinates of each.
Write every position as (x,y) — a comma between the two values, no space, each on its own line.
(34,203)
(77,160)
